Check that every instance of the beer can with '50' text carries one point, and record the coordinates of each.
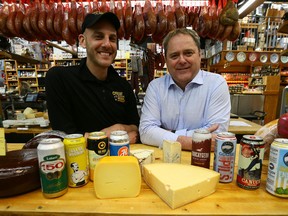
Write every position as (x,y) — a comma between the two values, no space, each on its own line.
(98,147)
(277,178)
(250,161)
(119,143)
(224,156)
(52,165)
(77,160)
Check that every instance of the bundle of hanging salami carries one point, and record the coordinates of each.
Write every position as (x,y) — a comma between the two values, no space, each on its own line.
(50,20)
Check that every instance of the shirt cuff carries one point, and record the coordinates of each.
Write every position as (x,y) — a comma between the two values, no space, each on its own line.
(181,132)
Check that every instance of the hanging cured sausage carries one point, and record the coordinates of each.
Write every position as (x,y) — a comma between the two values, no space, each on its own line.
(171,19)
(128,19)
(162,26)
(179,13)
(139,25)
(150,18)
(120,14)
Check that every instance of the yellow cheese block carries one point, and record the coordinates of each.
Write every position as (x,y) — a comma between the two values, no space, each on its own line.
(179,184)
(117,177)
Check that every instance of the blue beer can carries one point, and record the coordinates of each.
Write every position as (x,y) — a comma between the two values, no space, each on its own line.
(119,143)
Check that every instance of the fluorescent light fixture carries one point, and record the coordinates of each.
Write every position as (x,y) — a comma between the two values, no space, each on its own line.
(248,7)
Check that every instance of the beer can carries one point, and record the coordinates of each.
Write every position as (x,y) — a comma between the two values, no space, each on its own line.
(77,160)
(52,165)
(98,147)
(251,156)
(224,156)
(119,143)
(277,178)
(201,148)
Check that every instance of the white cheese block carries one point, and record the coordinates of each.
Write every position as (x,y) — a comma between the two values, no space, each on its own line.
(179,184)
(171,151)
(144,156)
(117,177)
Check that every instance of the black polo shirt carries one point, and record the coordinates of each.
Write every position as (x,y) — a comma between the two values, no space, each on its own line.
(78,102)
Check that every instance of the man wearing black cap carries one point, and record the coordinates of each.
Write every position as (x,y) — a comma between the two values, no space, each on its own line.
(92,96)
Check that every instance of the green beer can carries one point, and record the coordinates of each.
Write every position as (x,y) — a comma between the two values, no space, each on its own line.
(52,165)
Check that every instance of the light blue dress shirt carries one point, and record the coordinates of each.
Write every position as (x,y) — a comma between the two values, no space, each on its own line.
(205,101)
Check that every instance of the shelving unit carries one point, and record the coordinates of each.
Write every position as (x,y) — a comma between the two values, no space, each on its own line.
(11,74)
(65,62)
(30,73)
(123,67)
(259,77)
(283,97)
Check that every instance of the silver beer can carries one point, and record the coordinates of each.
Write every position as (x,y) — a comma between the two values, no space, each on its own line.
(224,156)
(277,177)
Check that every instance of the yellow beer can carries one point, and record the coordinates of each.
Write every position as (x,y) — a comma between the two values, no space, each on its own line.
(77,160)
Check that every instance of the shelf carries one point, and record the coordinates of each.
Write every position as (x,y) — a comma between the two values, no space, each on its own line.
(283,27)
(257,85)
(26,69)
(120,68)
(249,25)
(284,53)
(19,58)
(240,82)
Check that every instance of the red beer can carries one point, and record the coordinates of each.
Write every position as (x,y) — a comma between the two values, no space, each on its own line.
(251,155)
(201,147)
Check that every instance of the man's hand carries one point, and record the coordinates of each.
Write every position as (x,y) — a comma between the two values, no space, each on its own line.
(186,142)
(132,131)
(212,129)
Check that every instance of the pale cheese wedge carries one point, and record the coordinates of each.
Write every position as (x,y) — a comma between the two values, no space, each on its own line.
(144,156)
(171,151)
(117,177)
(179,184)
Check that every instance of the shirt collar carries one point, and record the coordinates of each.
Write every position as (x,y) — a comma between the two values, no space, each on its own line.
(86,75)
(198,79)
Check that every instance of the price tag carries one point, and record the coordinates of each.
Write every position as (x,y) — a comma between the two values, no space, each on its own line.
(3,146)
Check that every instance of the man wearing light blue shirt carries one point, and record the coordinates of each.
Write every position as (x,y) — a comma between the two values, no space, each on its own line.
(187,98)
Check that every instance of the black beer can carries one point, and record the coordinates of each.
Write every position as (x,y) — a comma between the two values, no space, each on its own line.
(251,156)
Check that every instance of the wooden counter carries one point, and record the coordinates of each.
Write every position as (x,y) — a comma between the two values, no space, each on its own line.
(244,129)
(31,130)
(229,199)
(234,129)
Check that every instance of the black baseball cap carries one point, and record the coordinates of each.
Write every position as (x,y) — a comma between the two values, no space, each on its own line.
(93,18)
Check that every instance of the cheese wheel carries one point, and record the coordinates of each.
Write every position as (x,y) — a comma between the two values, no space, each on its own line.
(117,177)
(179,184)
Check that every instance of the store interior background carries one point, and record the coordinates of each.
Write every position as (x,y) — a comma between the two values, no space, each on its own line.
(255,65)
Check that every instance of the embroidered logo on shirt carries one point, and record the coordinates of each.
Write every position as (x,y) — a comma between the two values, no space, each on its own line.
(119,97)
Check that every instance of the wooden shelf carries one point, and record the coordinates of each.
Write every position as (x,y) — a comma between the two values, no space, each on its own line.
(283,27)
(249,25)
(284,52)
(19,58)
